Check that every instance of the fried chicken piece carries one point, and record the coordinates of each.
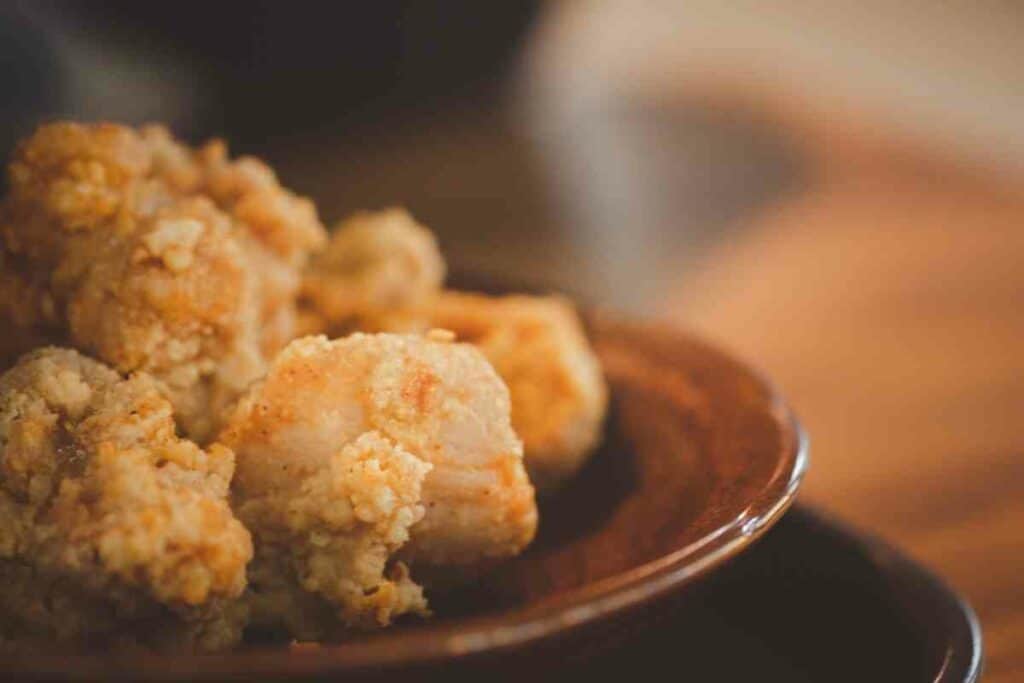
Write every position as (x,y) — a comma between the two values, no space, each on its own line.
(278,229)
(347,444)
(380,270)
(175,299)
(537,345)
(325,540)
(155,257)
(112,524)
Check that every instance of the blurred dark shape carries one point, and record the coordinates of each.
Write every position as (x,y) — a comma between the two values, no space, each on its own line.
(31,79)
(253,70)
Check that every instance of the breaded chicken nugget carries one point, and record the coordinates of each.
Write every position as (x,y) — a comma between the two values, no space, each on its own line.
(154,257)
(111,523)
(332,537)
(537,345)
(380,270)
(174,298)
(277,229)
(346,445)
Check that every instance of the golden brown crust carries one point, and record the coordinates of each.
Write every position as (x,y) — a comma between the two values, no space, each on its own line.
(105,508)
(333,537)
(278,228)
(381,270)
(537,345)
(357,458)
(173,299)
(328,505)
(156,257)
(346,445)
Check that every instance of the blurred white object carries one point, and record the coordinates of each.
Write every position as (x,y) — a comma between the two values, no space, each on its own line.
(944,75)
(638,111)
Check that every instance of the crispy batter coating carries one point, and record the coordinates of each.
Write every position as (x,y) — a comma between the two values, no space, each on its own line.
(155,257)
(537,345)
(329,498)
(278,229)
(112,524)
(332,536)
(357,458)
(175,299)
(380,270)
(347,444)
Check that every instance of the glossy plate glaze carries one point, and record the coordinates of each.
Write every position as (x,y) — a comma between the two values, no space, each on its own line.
(813,601)
(701,457)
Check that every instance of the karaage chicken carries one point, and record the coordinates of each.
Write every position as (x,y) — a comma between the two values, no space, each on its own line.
(155,257)
(381,270)
(537,345)
(400,450)
(353,451)
(113,527)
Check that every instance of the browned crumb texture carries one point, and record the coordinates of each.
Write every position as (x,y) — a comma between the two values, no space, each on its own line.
(360,461)
(153,256)
(383,272)
(537,345)
(112,524)
(380,271)
(354,452)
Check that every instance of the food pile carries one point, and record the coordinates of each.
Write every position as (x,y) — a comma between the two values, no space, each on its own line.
(216,418)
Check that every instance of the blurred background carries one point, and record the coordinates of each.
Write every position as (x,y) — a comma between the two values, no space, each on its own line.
(833,190)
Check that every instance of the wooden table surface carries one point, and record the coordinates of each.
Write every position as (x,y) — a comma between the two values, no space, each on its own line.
(890,308)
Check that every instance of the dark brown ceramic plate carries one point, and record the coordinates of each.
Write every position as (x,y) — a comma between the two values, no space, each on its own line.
(813,601)
(701,457)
